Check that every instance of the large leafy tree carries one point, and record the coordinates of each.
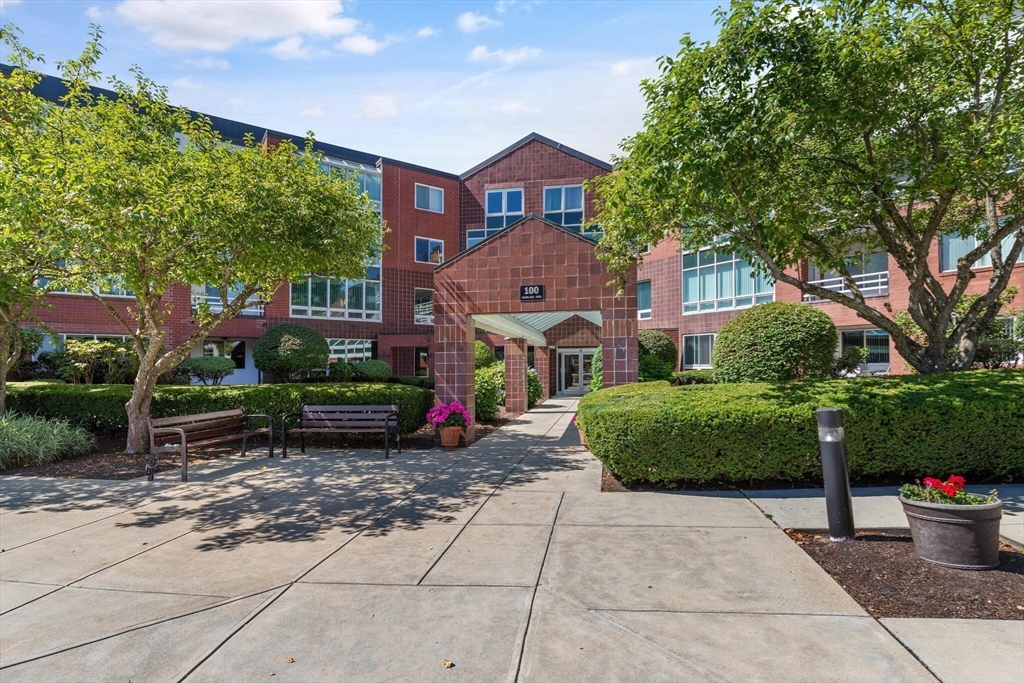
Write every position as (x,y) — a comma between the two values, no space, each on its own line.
(153,198)
(813,130)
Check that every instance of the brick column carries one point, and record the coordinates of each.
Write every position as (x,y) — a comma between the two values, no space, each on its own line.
(515,375)
(541,363)
(454,363)
(619,346)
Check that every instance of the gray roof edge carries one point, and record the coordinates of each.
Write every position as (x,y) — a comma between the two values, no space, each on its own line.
(529,216)
(547,141)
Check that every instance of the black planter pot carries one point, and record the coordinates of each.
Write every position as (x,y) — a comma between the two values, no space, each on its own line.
(958,536)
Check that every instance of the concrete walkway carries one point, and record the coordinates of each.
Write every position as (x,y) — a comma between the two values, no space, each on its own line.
(502,559)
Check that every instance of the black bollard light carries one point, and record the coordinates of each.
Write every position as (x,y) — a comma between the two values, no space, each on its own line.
(838,501)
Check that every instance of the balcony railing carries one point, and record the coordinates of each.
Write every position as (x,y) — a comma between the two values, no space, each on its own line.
(216,307)
(869,284)
(423,314)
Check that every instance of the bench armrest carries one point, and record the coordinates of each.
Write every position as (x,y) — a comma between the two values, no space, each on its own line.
(270,420)
(163,431)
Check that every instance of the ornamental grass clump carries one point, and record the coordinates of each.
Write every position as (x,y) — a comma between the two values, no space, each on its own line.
(949,492)
(446,415)
(29,440)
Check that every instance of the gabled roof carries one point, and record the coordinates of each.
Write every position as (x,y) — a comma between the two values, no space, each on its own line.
(507,230)
(547,141)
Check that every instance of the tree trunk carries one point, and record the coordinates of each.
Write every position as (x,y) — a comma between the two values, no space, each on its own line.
(10,351)
(138,410)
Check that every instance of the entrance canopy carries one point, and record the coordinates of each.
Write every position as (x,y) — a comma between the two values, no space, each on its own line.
(530,326)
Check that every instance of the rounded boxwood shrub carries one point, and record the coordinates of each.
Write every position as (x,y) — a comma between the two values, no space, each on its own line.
(775,342)
(490,391)
(534,389)
(658,344)
(372,371)
(597,370)
(484,355)
(970,423)
(208,369)
(291,352)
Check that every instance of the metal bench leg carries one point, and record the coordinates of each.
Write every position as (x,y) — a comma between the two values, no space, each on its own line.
(270,437)
(387,439)
(398,435)
(184,462)
(151,466)
(302,442)
(244,439)
(284,443)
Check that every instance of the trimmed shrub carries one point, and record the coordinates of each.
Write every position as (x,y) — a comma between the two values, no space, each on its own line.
(970,423)
(490,391)
(534,389)
(291,352)
(650,369)
(597,370)
(484,355)
(658,344)
(775,342)
(425,382)
(372,371)
(693,377)
(208,369)
(340,371)
(100,408)
(29,440)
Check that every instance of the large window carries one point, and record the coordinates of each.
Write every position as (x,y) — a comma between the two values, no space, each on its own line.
(643,300)
(422,361)
(503,208)
(429,198)
(235,350)
(423,306)
(952,247)
(211,296)
(720,280)
(350,350)
(429,250)
(321,297)
(564,205)
(367,177)
(697,350)
(875,341)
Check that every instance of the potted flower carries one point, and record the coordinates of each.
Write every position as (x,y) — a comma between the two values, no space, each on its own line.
(449,419)
(950,526)
(583,437)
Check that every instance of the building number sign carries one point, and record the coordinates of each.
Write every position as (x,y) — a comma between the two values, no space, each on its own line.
(531,292)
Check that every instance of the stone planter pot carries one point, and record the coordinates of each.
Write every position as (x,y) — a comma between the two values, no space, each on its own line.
(583,437)
(450,437)
(958,536)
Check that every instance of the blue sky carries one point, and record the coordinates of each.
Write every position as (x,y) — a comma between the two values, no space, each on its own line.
(442,84)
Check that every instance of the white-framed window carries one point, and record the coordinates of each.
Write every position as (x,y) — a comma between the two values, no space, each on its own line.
(952,247)
(235,350)
(502,209)
(697,350)
(111,286)
(717,280)
(368,178)
(55,342)
(643,300)
(423,306)
(564,205)
(875,341)
(429,198)
(429,250)
(350,350)
(321,297)
(211,295)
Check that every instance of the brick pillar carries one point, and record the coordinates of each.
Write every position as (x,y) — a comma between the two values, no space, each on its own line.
(454,363)
(541,363)
(515,375)
(619,346)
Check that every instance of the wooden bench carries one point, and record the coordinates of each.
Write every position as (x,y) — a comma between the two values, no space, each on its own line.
(178,433)
(337,419)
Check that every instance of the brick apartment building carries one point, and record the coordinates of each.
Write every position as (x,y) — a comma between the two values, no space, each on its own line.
(435,216)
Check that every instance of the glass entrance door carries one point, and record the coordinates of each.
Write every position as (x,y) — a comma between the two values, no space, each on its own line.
(575,370)
(570,373)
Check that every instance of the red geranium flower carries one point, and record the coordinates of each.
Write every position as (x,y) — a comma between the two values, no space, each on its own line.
(956,481)
(949,490)
(932,482)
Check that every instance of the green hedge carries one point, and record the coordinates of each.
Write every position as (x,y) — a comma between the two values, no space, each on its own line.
(489,391)
(693,377)
(100,408)
(968,423)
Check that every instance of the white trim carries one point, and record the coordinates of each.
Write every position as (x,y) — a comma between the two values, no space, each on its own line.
(696,366)
(649,311)
(415,249)
(427,208)
(563,210)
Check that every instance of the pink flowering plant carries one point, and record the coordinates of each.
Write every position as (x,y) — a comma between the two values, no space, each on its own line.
(949,492)
(449,415)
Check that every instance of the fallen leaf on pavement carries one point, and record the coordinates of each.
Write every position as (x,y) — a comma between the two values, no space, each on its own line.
(289,661)
(448,664)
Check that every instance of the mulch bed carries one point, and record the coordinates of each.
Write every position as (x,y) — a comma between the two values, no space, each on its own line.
(109,461)
(884,574)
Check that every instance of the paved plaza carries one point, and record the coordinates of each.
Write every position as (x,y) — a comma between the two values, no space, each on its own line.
(503,559)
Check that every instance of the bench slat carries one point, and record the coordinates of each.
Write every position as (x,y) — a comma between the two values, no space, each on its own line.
(180,419)
(375,429)
(348,424)
(237,436)
(237,422)
(348,409)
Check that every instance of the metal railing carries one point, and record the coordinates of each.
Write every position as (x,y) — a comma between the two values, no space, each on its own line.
(869,284)
(423,314)
(215,305)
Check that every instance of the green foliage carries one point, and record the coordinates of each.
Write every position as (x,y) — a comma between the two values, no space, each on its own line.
(908,426)
(597,370)
(927,494)
(775,342)
(372,371)
(340,371)
(30,440)
(534,389)
(1018,327)
(848,361)
(804,130)
(101,408)
(650,369)
(96,361)
(32,339)
(425,382)
(490,391)
(687,377)
(484,355)
(658,344)
(209,369)
(291,351)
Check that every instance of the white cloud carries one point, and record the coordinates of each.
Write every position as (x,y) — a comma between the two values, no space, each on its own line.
(379,106)
(208,63)
(427,32)
(93,13)
(361,45)
(634,67)
(503,5)
(315,111)
(480,53)
(186,83)
(291,48)
(220,24)
(471,22)
(512,107)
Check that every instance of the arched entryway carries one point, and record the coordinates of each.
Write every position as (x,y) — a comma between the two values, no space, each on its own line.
(541,286)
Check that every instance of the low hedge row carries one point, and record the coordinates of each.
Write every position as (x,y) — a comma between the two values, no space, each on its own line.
(968,423)
(100,407)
